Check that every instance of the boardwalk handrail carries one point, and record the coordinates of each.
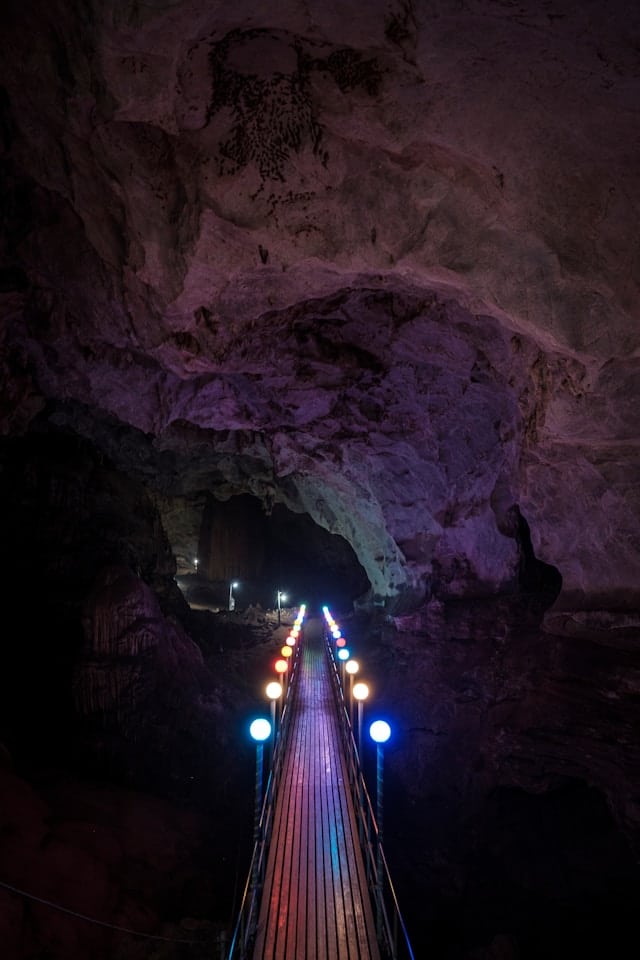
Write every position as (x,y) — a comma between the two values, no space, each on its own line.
(241,946)
(393,938)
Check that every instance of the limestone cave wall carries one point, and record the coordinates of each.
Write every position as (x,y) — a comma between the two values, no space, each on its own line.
(370,270)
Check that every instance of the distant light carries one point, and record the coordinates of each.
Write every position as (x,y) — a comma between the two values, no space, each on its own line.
(286,651)
(260,729)
(341,642)
(281,666)
(291,640)
(380,731)
(336,633)
(352,666)
(361,691)
(343,654)
(235,584)
(325,610)
(273,690)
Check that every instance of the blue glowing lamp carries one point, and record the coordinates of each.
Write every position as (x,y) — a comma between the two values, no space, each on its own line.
(380,731)
(260,729)
(343,654)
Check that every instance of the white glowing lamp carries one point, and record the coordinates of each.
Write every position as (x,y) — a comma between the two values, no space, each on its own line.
(260,729)
(380,731)
(361,691)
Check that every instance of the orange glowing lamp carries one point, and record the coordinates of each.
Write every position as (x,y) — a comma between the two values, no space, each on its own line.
(280,666)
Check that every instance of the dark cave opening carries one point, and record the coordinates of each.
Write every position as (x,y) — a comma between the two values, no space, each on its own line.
(535,578)
(269,551)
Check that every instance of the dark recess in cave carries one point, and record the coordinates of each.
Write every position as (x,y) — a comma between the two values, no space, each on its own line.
(266,552)
(320,566)
(561,877)
(68,519)
(540,875)
(535,577)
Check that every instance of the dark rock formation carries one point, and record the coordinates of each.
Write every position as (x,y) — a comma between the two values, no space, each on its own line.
(347,299)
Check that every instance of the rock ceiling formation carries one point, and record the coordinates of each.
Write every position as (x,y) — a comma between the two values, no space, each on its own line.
(376,263)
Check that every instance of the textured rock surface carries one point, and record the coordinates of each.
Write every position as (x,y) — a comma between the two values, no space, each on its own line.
(390,250)
(523,792)
(107,854)
(375,264)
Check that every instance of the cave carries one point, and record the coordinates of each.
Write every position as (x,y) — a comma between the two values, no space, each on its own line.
(319,305)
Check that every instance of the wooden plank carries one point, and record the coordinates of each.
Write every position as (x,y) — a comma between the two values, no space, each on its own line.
(339,857)
(272,891)
(357,902)
(358,913)
(291,828)
(296,826)
(306,927)
(280,904)
(333,895)
(318,879)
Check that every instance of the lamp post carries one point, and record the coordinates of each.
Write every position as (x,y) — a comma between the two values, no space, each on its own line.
(232,586)
(343,656)
(282,667)
(195,564)
(260,730)
(379,731)
(280,596)
(352,667)
(273,691)
(360,692)
(286,652)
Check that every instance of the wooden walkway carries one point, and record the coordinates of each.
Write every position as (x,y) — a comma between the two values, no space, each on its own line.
(315,903)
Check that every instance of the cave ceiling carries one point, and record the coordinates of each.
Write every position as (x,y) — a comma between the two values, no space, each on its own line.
(377,263)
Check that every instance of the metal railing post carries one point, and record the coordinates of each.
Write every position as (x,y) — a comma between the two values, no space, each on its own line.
(257,813)
(379,787)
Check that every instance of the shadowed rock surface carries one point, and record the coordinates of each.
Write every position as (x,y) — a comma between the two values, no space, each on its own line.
(342,300)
